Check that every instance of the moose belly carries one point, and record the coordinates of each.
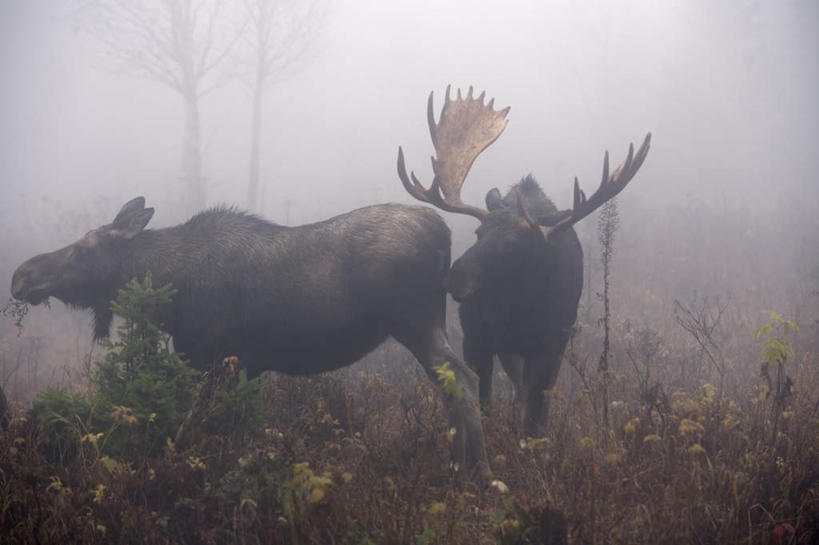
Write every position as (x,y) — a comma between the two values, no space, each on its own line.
(301,348)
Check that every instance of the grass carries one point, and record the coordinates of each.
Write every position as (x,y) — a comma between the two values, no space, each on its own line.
(354,458)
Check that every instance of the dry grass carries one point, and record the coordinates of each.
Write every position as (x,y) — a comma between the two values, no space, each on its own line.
(357,458)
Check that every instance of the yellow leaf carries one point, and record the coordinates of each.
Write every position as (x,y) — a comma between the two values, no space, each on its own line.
(98,492)
(56,485)
(108,463)
(613,458)
(91,438)
(316,495)
(437,508)
(696,448)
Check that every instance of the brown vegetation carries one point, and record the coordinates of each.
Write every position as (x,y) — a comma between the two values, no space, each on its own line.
(361,456)
(354,458)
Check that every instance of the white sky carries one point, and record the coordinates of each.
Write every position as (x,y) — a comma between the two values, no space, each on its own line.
(727,88)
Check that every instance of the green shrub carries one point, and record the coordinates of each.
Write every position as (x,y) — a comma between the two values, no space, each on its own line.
(60,418)
(143,389)
(237,409)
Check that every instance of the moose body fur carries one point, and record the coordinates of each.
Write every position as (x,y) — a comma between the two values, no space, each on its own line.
(299,300)
(519,295)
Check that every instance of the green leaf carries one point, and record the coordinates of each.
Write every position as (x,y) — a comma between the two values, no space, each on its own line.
(446,377)
(108,463)
(763,331)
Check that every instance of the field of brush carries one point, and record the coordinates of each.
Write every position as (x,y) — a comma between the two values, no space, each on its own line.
(360,456)
(704,429)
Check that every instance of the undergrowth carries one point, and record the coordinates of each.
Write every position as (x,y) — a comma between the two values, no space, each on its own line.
(150,456)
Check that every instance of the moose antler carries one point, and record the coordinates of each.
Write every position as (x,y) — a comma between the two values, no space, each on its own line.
(466,128)
(609,187)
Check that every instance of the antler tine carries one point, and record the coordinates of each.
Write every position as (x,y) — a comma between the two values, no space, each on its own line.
(610,185)
(466,127)
(414,187)
(579,195)
(432,195)
(431,119)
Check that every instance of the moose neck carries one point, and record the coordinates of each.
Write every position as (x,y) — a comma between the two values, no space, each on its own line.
(150,251)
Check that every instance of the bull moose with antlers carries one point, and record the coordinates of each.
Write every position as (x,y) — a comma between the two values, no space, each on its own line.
(519,285)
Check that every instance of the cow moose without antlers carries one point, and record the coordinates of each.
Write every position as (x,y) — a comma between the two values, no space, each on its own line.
(299,300)
(519,285)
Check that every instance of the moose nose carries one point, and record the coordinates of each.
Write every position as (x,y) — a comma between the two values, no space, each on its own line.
(458,285)
(18,282)
(455,295)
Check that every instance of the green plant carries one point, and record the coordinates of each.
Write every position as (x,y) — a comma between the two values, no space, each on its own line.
(446,378)
(60,418)
(237,409)
(143,389)
(776,348)
(356,536)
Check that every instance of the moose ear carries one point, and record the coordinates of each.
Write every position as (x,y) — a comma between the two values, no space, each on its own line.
(127,211)
(137,223)
(132,218)
(128,226)
(493,199)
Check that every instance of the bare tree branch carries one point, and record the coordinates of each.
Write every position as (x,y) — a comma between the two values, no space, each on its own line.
(279,33)
(702,321)
(178,43)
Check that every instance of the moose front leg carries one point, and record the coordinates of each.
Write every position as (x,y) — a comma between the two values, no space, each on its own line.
(513,365)
(539,376)
(481,359)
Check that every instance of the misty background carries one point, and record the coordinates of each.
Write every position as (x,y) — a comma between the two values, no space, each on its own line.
(726,204)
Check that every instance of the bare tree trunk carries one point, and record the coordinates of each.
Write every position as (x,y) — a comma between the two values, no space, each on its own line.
(179,43)
(192,158)
(255,144)
(280,33)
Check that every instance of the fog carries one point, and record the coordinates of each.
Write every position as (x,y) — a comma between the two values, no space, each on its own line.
(726,202)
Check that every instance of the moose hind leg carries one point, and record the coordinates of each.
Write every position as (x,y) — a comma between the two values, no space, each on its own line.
(432,350)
